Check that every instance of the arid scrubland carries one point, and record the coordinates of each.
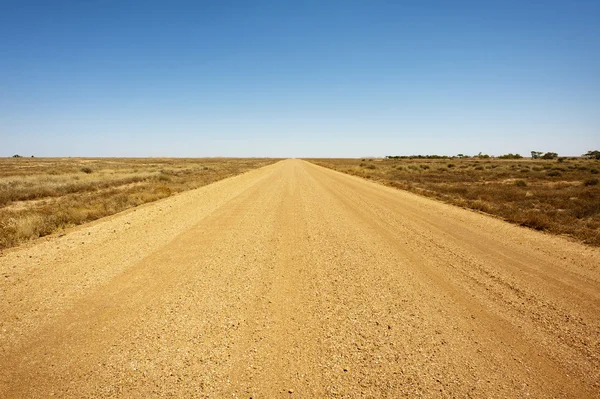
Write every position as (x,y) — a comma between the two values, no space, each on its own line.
(559,196)
(39,196)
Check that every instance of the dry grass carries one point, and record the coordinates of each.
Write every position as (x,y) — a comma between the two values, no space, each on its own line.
(39,196)
(561,197)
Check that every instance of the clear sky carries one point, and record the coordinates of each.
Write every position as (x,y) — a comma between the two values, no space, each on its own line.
(298,78)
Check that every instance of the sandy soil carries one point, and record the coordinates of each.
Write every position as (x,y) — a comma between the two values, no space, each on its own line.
(297,281)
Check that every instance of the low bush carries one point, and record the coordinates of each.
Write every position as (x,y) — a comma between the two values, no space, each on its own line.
(536,220)
(591,182)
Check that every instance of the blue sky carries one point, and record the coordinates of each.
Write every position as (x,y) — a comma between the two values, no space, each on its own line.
(298,78)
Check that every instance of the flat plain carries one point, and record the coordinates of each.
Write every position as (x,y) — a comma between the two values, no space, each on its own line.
(40,196)
(560,196)
(294,280)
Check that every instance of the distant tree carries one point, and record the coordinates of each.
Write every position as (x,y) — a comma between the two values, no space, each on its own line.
(483,156)
(510,156)
(17,156)
(550,155)
(536,154)
(595,154)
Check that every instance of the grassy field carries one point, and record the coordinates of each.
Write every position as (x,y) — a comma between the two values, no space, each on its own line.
(39,196)
(558,196)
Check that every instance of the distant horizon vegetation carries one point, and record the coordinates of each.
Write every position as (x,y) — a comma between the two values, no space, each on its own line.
(592,154)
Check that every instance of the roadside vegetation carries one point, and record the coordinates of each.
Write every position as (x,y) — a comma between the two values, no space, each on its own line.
(550,193)
(39,196)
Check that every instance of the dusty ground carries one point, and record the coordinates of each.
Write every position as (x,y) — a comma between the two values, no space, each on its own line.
(297,281)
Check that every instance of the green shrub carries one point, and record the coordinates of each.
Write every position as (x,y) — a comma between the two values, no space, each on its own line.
(510,156)
(550,155)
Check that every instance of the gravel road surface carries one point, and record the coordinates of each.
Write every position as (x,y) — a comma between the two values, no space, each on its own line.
(295,281)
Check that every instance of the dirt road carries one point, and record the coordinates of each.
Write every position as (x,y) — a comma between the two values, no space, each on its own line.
(294,281)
